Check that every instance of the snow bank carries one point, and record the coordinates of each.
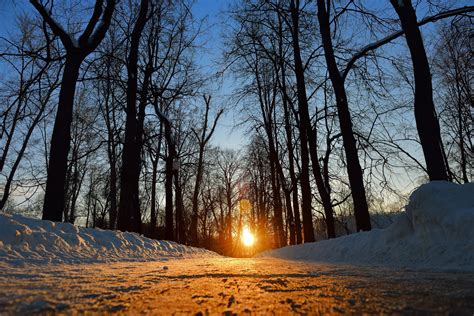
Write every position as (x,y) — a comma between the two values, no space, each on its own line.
(31,241)
(436,231)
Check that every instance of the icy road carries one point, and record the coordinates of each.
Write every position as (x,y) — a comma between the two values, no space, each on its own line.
(226,286)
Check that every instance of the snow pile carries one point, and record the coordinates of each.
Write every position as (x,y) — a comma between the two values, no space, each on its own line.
(31,241)
(436,231)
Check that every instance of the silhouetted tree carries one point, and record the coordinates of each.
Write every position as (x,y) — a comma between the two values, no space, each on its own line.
(425,114)
(354,170)
(76,51)
(129,215)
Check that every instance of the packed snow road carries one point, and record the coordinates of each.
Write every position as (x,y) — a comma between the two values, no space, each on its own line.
(200,286)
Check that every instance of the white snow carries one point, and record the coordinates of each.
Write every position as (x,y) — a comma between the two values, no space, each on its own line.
(26,241)
(436,231)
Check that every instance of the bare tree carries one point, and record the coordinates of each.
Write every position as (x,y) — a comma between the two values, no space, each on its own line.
(354,170)
(305,122)
(202,136)
(129,216)
(76,51)
(452,66)
(37,80)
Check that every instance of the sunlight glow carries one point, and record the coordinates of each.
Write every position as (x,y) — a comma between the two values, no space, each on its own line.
(248,239)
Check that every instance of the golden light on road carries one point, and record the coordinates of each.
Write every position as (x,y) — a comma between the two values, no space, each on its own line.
(248,239)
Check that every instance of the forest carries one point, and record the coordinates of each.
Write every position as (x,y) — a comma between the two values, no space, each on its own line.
(110,110)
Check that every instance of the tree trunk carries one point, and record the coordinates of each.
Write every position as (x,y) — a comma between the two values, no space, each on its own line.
(54,197)
(89,198)
(305,121)
(425,114)
(153,212)
(129,195)
(462,150)
(180,227)
(169,229)
(306,209)
(354,170)
(129,217)
(289,217)
(289,144)
(294,184)
(111,155)
(194,214)
(78,178)
(229,239)
(113,195)
(155,157)
(280,239)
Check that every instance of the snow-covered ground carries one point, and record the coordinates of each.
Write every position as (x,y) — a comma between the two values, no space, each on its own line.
(26,241)
(436,231)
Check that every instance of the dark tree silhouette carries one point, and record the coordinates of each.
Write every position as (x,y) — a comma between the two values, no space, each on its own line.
(425,114)
(305,122)
(354,170)
(129,216)
(202,137)
(76,52)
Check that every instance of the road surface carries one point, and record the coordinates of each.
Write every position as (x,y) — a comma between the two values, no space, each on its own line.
(227,286)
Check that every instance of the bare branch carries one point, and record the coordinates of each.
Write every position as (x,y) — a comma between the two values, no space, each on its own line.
(391,37)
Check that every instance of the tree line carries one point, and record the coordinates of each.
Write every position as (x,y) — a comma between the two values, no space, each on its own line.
(108,117)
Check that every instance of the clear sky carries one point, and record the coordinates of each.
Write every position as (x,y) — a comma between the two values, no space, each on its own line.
(226,134)
(8,11)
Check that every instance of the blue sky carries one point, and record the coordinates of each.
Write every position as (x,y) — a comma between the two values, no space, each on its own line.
(226,135)
(8,11)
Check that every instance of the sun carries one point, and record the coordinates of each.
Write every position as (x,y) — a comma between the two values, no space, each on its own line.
(248,239)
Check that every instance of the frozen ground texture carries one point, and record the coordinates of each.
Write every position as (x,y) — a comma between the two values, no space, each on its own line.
(26,241)
(436,231)
(231,286)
